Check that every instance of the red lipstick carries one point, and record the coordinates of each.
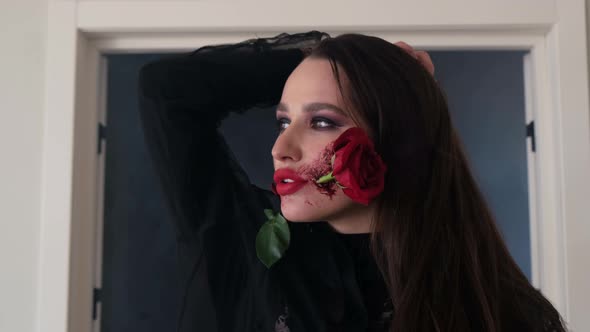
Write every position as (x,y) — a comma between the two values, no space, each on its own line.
(288,181)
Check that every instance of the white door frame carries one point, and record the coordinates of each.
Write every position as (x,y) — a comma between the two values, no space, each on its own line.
(557,98)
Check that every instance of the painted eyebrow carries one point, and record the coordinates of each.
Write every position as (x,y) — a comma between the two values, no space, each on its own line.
(313,107)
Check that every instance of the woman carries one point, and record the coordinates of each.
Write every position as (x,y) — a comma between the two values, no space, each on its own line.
(387,228)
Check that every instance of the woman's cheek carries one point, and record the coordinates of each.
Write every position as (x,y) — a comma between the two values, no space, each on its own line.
(318,168)
(326,204)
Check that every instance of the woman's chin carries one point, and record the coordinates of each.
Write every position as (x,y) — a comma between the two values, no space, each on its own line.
(308,205)
(299,209)
(296,216)
(296,211)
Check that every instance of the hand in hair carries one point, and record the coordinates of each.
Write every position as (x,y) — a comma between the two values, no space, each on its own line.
(421,56)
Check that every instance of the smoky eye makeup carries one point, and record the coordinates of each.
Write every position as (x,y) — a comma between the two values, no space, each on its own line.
(323,123)
(279,124)
(316,122)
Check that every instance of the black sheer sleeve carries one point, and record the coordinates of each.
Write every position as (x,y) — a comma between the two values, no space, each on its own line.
(182,102)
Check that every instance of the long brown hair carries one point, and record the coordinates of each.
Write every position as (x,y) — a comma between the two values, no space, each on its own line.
(434,237)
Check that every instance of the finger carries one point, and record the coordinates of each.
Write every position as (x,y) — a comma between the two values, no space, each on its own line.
(426,61)
(422,56)
(407,48)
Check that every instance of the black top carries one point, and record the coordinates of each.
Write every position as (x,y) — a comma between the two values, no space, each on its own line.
(325,282)
(370,281)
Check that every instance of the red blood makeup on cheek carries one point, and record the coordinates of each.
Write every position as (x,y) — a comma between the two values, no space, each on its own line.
(319,168)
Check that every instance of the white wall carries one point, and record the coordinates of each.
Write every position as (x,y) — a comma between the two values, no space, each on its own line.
(22,34)
(588,32)
(22,38)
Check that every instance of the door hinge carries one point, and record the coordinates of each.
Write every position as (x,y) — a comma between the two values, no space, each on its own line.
(96,298)
(530,132)
(102,135)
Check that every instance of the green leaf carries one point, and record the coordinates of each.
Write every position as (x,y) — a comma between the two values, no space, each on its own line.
(269,214)
(325,178)
(280,219)
(272,240)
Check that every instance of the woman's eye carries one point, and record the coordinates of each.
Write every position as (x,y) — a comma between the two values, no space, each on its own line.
(316,123)
(321,123)
(282,124)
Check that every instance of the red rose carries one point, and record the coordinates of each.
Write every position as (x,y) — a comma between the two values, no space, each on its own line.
(357,167)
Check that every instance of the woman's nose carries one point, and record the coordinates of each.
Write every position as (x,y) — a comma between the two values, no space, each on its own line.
(287,147)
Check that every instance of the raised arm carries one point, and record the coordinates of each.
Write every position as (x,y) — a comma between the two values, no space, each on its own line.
(182,102)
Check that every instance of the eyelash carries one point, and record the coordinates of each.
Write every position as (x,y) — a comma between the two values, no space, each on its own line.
(329,123)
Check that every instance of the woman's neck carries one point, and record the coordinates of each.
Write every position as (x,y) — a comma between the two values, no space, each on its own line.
(353,221)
